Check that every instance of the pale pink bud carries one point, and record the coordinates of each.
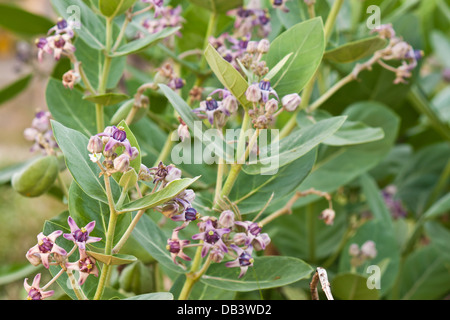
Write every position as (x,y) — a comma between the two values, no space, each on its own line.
(291,101)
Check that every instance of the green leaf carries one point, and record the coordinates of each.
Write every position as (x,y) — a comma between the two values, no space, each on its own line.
(142,43)
(294,146)
(273,71)
(68,107)
(336,167)
(152,239)
(441,46)
(93,60)
(13,89)
(160,197)
(23,22)
(214,142)
(438,208)
(93,27)
(375,201)
(252,192)
(112,260)
(73,144)
(218,6)
(113,8)
(307,43)
(153,296)
(350,286)
(387,258)
(227,75)
(355,50)
(429,279)
(107,99)
(128,179)
(267,272)
(440,238)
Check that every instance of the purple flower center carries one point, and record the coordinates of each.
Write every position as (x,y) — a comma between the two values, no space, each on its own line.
(41,43)
(190,214)
(264,85)
(34,294)
(278,2)
(245,259)
(212,237)
(60,42)
(211,104)
(45,245)
(86,265)
(174,246)
(254,229)
(61,24)
(244,13)
(119,135)
(243,43)
(264,19)
(80,235)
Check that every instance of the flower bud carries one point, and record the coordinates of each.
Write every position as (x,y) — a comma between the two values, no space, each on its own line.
(264,237)
(95,144)
(263,46)
(190,214)
(271,106)
(173,173)
(240,238)
(226,219)
(353,250)
(169,209)
(290,102)
(252,46)
(134,153)
(230,103)
(122,163)
(253,93)
(144,174)
(368,249)
(328,216)
(216,255)
(187,195)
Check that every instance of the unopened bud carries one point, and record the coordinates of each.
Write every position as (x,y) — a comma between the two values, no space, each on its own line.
(368,249)
(291,101)
(173,173)
(226,219)
(252,47)
(271,106)
(122,163)
(95,145)
(240,238)
(253,93)
(263,46)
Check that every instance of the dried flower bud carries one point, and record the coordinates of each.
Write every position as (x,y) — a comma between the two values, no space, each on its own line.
(328,216)
(70,79)
(290,102)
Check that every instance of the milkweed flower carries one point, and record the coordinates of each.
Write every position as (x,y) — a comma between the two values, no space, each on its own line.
(86,265)
(80,235)
(34,291)
(209,108)
(175,247)
(45,247)
(243,261)
(211,237)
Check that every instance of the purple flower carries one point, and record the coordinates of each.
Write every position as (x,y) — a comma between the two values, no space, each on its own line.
(211,237)
(209,108)
(63,27)
(175,247)
(46,246)
(266,90)
(244,259)
(80,235)
(34,291)
(254,234)
(117,137)
(86,265)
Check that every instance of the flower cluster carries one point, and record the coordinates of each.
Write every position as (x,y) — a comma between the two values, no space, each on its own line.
(167,75)
(58,41)
(399,50)
(360,255)
(107,144)
(251,60)
(41,133)
(165,17)
(266,109)
(218,236)
(217,111)
(251,20)
(47,252)
(231,48)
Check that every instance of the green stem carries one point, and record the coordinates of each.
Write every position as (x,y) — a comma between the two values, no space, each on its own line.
(77,290)
(190,277)
(331,20)
(209,32)
(311,218)
(109,239)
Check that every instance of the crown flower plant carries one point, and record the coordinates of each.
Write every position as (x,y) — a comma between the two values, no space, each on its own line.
(228,150)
